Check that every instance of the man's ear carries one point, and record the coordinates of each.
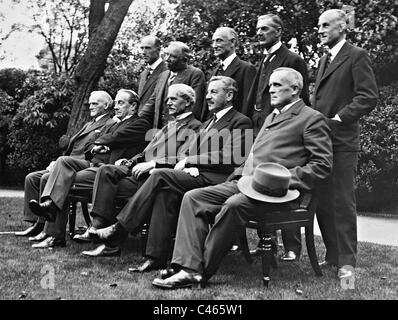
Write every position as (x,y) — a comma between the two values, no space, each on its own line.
(230,95)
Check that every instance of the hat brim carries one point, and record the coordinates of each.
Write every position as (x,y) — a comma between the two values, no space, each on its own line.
(245,186)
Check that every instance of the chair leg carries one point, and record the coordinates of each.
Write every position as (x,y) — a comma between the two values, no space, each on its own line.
(245,248)
(72,217)
(267,257)
(144,238)
(86,215)
(309,240)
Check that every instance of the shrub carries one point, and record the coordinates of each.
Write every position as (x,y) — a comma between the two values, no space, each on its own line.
(11,80)
(377,180)
(39,122)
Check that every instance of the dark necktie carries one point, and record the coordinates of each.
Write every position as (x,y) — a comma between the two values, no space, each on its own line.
(212,122)
(219,70)
(171,78)
(327,62)
(149,72)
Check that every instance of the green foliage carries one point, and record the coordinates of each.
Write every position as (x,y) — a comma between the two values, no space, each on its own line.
(377,179)
(44,113)
(375,28)
(7,111)
(195,22)
(124,63)
(11,80)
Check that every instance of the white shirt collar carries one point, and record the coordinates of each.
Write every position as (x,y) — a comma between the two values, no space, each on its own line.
(99,117)
(285,108)
(222,112)
(227,61)
(183,115)
(335,50)
(275,47)
(127,117)
(154,65)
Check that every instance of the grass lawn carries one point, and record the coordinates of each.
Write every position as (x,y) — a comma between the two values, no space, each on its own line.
(24,270)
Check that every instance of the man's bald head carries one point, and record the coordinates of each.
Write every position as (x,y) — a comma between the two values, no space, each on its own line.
(178,54)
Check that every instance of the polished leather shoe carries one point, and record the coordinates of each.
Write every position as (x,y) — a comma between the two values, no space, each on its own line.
(104,233)
(166,273)
(289,256)
(85,237)
(32,231)
(40,237)
(327,264)
(181,279)
(148,265)
(346,272)
(103,251)
(50,242)
(47,209)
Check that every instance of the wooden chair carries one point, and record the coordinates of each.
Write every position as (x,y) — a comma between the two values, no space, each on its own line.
(268,222)
(84,196)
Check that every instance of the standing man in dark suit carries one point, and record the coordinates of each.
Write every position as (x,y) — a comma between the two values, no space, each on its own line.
(294,136)
(269,33)
(123,139)
(345,90)
(150,47)
(211,158)
(125,179)
(178,54)
(225,42)
(100,103)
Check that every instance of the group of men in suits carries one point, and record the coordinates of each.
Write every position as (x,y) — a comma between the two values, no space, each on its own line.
(183,189)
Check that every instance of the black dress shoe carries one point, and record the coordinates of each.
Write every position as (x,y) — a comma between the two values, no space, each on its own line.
(47,209)
(327,264)
(85,237)
(289,256)
(181,279)
(166,273)
(40,237)
(148,265)
(103,251)
(50,242)
(32,231)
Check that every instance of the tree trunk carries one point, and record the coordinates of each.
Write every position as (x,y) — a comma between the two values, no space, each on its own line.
(97,12)
(92,64)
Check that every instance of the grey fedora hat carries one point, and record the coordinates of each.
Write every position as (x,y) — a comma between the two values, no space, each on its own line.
(269,183)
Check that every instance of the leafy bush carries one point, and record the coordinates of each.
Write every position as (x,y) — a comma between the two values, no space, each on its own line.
(11,80)
(377,179)
(39,122)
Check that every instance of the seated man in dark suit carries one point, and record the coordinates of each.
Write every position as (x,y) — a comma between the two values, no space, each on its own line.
(211,157)
(100,103)
(294,136)
(178,54)
(123,139)
(124,179)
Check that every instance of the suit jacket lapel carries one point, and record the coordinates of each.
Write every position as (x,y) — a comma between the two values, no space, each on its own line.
(219,125)
(293,110)
(146,83)
(276,62)
(337,61)
(232,68)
